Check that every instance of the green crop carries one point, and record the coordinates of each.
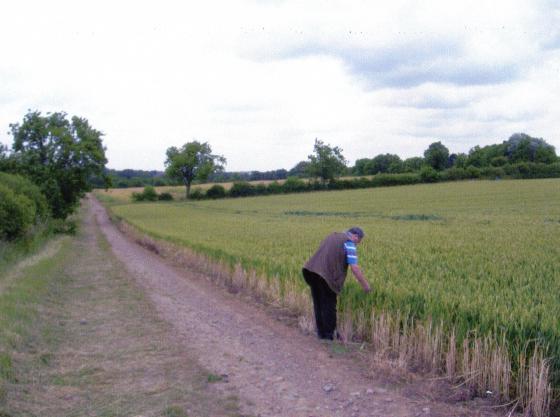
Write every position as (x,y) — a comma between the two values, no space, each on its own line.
(482,257)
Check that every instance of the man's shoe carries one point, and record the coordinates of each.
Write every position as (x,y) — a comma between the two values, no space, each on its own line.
(326,336)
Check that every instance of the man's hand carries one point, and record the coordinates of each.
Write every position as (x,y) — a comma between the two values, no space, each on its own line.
(360,277)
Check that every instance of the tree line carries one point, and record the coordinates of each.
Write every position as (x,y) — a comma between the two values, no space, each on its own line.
(524,170)
(519,148)
(521,156)
(126,178)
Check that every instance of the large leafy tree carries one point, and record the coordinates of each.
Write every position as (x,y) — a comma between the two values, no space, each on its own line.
(388,163)
(301,169)
(326,162)
(413,164)
(437,156)
(458,160)
(483,156)
(59,155)
(362,166)
(192,161)
(521,147)
(380,164)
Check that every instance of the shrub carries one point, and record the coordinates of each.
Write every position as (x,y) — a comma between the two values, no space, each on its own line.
(261,189)
(165,197)
(275,188)
(493,172)
(294,185)
(216,191)
(499,161)
(149,194)
(59,226)
(241,189)
(473,172)
(429,174)
(455,174)
(335,185)
(341,184)
(197,194)
(17,213)
(312,186)
(137,197)
(362,182)
(21,185)
(381,180)
(533,170)
(524,170)
(552,170)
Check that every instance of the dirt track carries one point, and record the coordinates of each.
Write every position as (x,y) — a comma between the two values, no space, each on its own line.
(277,370)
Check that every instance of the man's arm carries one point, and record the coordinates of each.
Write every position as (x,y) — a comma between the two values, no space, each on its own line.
(360,277)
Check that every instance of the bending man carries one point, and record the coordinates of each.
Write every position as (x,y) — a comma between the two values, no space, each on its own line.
(325,273)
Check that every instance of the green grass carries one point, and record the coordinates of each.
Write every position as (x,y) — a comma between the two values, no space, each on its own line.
(174,411)
(72,321)
(12,252)
(20,301)
(6,367)
(482,256)
(215,378)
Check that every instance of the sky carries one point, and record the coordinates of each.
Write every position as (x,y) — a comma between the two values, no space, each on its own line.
(260,80)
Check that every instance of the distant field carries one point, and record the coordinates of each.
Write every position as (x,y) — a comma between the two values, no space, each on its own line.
(123,195)
(481,256)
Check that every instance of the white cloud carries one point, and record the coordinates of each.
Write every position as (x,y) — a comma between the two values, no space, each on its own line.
(260,80)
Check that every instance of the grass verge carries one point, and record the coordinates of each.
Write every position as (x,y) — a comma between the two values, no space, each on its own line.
(77,337)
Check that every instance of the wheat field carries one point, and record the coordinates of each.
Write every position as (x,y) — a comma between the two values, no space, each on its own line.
(479,259)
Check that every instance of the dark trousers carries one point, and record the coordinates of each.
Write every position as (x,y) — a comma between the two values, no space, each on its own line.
(324,304)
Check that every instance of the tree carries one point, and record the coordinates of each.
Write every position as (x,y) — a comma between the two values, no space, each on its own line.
(458,160)
(193,161)
(523,148)
(326,162)
(482,157)
(361,167)
(16,213)
(299,170)
(437,156)
(382,163)
(498,161)
(413,164)
(58,155)
(386,163)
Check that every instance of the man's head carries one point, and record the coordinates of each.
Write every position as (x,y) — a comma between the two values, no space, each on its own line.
(356,234)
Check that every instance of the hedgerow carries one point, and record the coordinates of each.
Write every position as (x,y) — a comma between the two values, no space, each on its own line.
(21,206)
(524,170)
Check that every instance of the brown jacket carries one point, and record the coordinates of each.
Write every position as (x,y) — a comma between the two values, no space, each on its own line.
(330,261)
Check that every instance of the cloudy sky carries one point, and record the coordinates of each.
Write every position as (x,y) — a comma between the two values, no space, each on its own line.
(261,79)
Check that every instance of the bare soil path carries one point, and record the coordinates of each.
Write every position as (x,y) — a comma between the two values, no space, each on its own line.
(276,369)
